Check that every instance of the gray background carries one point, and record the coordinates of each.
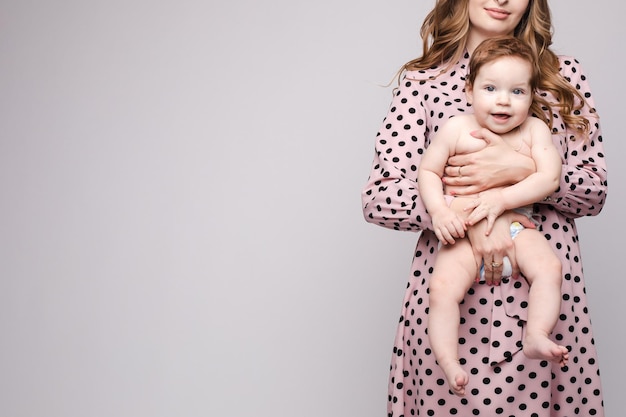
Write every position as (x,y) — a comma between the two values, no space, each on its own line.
(180,229)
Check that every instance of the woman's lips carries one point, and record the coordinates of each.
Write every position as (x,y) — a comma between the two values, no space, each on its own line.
(497,13)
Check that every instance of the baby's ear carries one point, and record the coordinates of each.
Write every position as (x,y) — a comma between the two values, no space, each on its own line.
(469,94)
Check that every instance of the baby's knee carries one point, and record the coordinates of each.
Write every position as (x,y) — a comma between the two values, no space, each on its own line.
(436,286)
(552,269)
(444,288)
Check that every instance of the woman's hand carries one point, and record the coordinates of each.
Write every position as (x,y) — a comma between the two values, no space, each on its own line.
(491,249)
(497,164)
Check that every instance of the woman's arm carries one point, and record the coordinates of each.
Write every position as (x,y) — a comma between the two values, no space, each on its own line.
(390,198)
(583,183)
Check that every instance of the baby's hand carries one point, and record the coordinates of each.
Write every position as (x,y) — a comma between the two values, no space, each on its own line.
(489,205)
(447,226)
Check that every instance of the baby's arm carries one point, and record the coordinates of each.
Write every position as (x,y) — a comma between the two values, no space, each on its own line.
(447,225)
(535,187)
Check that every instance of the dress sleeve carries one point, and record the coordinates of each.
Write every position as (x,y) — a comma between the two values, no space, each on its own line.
(583,186)
(390,197)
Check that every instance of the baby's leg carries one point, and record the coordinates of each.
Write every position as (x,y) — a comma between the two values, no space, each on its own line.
(454,272)
(542,268)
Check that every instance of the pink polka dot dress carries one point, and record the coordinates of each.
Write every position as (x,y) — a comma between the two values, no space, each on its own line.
(503,382)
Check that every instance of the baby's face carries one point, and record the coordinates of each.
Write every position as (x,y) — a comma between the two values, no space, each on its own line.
(501,95)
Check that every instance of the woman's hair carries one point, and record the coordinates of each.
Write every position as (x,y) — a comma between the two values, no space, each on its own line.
(444,35)
(493,49)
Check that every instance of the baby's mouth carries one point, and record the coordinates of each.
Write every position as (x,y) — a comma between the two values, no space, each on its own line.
(500,116)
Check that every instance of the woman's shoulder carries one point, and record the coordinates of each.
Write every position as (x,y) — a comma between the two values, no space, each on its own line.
(423,76)
(568,59)
(569,66)
(440,73)
(447,81)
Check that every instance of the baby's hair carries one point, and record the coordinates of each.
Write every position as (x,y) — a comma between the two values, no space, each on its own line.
(509,46)
(496,48)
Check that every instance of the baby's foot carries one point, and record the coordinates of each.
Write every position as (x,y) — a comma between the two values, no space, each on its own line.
(541,347)
(456,376)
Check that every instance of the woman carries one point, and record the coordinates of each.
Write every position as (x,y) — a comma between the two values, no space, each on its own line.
(502,381)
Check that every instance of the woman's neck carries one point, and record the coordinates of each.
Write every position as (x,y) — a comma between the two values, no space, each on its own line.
(474,38)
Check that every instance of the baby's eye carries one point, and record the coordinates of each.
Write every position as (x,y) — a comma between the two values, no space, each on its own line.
(518,91)
(490,88)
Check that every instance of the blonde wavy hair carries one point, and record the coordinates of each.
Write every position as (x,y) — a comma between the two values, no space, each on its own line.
(444,35)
